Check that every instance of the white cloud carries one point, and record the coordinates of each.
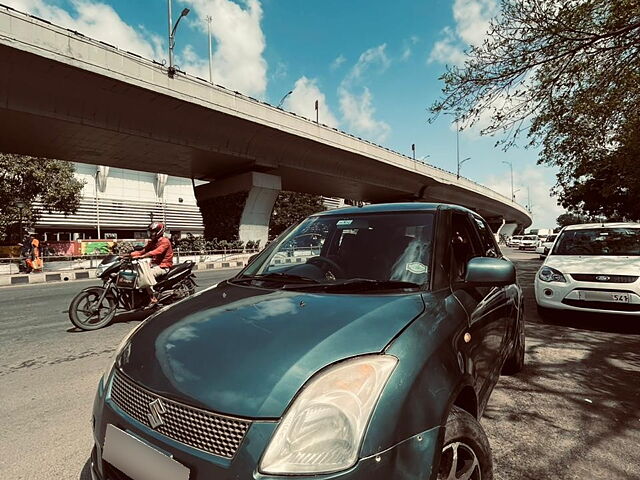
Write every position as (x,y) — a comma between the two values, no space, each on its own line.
(302,102)
(337,63)
(239,44)
(357,109)
(96,20)
(544,207)
(472,23)
(359,113)
(372,57)
(408,46)
(447,50)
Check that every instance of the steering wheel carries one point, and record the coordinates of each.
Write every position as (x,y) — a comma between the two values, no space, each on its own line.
(334,268)
(578,250)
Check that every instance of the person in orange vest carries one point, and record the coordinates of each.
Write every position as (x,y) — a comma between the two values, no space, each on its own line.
(36,257)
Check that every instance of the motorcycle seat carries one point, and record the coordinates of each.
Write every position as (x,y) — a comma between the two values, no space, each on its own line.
(187,265)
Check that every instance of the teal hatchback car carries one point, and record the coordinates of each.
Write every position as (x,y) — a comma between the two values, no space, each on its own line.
(370,354)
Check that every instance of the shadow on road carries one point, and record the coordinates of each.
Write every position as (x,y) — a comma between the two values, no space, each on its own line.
(126,317)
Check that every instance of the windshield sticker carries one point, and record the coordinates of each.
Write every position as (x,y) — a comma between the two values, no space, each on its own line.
(344,222)
(417,268)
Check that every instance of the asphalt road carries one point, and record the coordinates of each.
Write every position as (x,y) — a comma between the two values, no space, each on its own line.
(573,413)
(48,375)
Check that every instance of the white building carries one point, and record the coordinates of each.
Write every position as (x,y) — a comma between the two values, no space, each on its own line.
(119,203)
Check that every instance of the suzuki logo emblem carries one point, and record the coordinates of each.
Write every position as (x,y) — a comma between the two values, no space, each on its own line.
(603,278)
(156,410)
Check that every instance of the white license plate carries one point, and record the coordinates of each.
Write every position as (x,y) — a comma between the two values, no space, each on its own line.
(138,460)
(605,297)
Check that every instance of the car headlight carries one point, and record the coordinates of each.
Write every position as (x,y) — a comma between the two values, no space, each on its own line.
(324,427)
(548,274)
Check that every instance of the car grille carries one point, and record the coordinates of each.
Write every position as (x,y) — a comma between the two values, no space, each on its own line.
(583,277)
(191,426)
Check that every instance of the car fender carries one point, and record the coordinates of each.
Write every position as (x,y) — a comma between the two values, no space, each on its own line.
(429,373)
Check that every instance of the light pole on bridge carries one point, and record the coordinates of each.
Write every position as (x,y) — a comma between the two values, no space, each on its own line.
(172,36)
(513,194)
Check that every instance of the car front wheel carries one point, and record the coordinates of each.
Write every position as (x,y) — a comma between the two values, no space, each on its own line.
(465,451)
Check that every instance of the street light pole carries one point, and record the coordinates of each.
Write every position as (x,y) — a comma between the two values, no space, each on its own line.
(97,204)
(460,164)
(513,194)
(172,36)
(209,18)
(284,98)
(455,114)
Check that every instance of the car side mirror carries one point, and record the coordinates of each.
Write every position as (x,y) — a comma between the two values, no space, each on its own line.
(490,272)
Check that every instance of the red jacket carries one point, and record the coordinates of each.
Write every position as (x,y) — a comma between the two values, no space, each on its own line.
(160,250)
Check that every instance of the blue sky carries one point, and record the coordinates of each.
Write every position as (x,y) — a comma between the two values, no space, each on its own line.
(372,64)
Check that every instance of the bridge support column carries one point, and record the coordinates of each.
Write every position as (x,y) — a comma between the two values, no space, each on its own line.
(239,207)
(507,229)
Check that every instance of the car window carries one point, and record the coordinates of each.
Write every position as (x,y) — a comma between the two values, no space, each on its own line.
(381,246)
(465,245)
(489,246)
(599,241)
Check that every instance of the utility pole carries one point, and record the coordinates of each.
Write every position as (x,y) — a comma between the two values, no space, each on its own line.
(97,204)
(209,18)
(172,36)
(513,195)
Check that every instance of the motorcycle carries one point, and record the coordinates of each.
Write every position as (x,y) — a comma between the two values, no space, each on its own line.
(95,307)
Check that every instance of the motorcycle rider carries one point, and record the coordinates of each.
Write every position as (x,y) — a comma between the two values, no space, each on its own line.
(160,251)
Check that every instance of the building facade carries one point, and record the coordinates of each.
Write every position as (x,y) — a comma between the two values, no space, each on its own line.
(119,204)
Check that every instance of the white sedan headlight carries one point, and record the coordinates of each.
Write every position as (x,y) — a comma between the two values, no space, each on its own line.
(324,427)
(548,274)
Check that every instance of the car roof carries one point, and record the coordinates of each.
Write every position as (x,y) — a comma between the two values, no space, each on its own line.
(391,207)
(585,226)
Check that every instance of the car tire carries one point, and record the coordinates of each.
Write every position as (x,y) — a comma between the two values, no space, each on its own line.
(515,361)
(465,449)
(546,314)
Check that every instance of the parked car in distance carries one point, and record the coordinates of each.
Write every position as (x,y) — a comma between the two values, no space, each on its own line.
(591,268)
(514,241)
(528,242)
(375,356)
(544,245)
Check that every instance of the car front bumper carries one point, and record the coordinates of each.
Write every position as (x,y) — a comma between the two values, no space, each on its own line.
(414,457)
(567,296)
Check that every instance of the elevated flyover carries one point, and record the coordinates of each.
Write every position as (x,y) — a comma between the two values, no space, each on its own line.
(64,95)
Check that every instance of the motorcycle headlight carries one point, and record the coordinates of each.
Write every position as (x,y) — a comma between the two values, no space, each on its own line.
(324,427)
(100,270)
(548,274)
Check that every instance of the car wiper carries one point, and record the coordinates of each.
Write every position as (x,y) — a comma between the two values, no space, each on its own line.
(359,284)
(277,276)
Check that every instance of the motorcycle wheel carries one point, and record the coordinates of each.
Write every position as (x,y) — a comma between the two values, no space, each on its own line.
(86,314)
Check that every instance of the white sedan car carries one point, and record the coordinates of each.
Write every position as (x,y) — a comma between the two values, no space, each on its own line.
(545,245)
(528,242)
(592,268)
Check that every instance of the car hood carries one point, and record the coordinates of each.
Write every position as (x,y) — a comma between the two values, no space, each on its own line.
(595,264)
(246,351)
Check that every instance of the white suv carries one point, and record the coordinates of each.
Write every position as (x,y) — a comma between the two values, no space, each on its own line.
(592,267)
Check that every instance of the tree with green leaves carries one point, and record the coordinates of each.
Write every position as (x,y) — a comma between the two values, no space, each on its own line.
(292,207)
(25,180)
(565,75)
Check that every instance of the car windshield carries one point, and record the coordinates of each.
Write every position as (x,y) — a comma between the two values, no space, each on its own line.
(599,241)
(551,238)
(372,250)
(530,237)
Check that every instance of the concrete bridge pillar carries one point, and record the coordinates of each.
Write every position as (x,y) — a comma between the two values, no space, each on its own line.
(239,207)
(507,229)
